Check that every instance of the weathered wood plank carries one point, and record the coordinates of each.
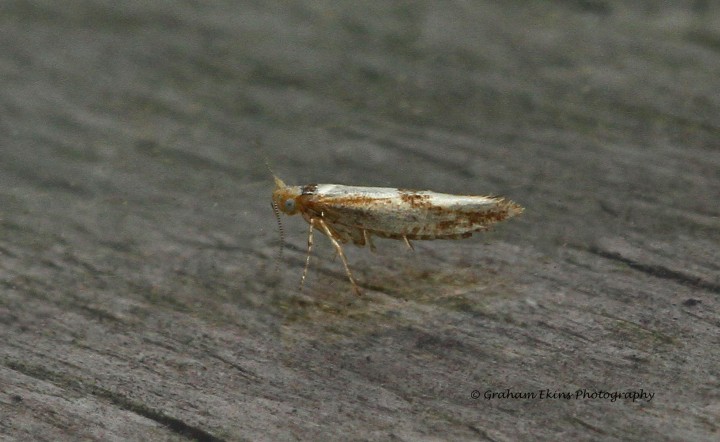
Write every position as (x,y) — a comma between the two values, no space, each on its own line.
(138,298)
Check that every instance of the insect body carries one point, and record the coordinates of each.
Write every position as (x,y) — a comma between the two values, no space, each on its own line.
(355,214)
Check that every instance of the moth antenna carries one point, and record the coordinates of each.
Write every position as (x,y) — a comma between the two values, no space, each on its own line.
(278,182)
(282,236)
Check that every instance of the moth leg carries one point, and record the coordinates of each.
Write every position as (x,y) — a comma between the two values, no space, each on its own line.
(368,240)
(407,241)
(335,253)
(340,252)
(307,260)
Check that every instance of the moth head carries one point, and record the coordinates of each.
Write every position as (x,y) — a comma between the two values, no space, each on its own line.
(285,197)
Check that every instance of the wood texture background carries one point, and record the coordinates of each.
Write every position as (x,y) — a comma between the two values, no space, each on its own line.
(139,299)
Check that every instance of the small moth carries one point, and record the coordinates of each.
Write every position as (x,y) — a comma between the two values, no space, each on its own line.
(355,214)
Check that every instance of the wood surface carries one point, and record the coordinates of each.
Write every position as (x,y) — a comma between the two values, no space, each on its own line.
(139,297)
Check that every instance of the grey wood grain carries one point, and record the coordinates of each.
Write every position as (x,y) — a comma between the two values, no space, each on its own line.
(138,293)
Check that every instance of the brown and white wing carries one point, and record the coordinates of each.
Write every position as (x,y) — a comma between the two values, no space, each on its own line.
(394,213)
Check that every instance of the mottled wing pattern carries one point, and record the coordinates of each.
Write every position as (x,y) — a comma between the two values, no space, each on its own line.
(397,213)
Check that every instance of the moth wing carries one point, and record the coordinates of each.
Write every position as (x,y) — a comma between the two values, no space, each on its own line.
(394,213)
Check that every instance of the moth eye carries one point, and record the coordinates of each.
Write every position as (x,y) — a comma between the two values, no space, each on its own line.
(290,204)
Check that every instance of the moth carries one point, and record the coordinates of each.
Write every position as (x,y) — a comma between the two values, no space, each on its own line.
(355,214)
